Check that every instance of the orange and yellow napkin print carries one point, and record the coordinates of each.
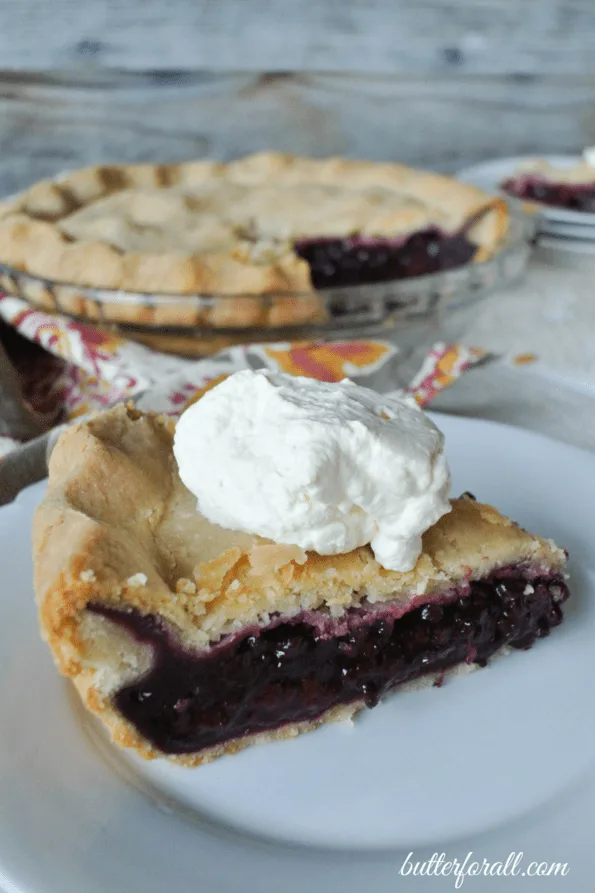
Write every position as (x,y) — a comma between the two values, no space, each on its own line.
(101,369)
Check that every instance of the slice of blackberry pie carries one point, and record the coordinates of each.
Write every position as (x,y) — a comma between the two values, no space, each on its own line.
(191,640)
(571,188)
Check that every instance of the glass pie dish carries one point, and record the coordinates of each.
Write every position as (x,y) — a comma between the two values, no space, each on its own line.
(408,310)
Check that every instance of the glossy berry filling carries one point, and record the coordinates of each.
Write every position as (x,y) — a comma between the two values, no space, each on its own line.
(574,196)
(293,671)
(357,260)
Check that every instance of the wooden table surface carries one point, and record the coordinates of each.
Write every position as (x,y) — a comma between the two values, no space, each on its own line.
(433,83)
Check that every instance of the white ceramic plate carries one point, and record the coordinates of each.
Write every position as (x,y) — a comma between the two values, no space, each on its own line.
(574,246)
(489,175)
(560,229)
(334,810)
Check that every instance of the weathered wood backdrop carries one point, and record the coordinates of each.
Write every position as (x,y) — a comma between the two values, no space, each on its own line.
(438,83)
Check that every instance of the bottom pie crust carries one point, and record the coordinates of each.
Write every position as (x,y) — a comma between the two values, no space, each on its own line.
(299,669)
(117,528)
(125,735)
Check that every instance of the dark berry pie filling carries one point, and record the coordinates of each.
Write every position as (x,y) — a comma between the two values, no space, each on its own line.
(360,260)
(294,671)
(574,196)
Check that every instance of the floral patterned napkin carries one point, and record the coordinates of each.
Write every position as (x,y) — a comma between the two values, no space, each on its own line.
(93,369)
(100,369)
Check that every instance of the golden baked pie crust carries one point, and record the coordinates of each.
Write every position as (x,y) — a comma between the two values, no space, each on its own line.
(118,528)
(578,174)
(207,228)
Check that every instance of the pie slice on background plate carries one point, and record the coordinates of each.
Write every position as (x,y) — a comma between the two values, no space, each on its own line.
(191,641)
(571,187)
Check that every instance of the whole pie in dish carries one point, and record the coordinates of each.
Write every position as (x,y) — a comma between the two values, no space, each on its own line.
(265,225)
(572,188)
(191,641)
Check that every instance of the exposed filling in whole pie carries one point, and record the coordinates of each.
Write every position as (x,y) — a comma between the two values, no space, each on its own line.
(253,242)
(360,260)
(296,670)
(574,196)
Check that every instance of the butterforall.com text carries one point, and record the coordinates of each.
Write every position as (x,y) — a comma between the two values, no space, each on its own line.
(439,865)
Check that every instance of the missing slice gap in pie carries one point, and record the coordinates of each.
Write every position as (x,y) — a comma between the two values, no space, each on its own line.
(276,227)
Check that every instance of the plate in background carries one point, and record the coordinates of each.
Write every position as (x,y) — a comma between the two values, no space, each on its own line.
(562,230)
(490,175)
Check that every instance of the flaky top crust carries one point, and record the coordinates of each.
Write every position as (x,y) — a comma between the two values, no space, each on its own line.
(212,228)
(576,175)
(118,528)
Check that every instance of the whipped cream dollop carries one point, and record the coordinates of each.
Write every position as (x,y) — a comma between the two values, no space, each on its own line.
(326,467)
